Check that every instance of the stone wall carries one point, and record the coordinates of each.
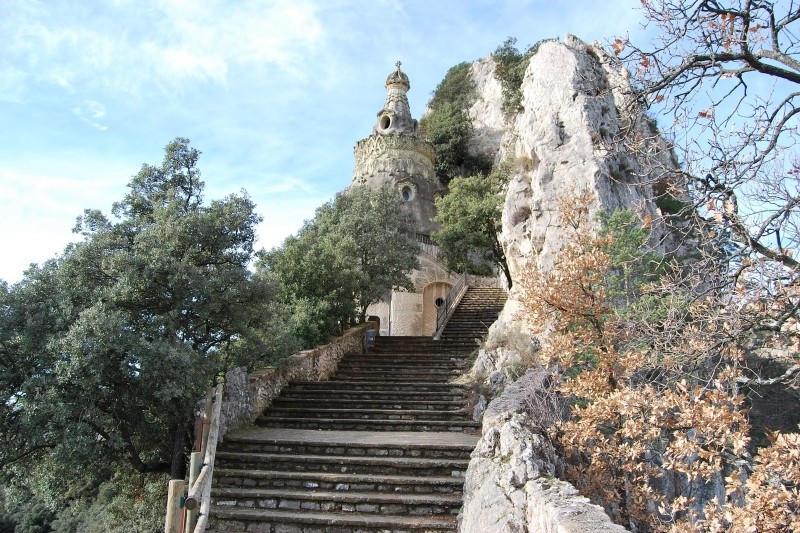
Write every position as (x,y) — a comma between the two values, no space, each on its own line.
(248,395)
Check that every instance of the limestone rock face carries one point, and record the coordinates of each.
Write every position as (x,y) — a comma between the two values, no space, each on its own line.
(564,140)
(510,487)
(486,114)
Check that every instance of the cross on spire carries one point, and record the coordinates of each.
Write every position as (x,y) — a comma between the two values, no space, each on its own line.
(398,65)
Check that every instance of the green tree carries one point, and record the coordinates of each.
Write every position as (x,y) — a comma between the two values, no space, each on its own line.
(105,350)
(447,126)
(510,66)
(470,215)
(632,265)
(358,247)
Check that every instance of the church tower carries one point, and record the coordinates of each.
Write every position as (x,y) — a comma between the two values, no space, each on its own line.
(395,155)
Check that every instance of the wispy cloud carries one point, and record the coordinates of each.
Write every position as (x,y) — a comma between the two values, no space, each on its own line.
(40,202)
(90,112)
(286,184)
(126,46)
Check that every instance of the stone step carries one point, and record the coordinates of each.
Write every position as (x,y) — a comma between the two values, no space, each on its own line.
(379,386)
(490,314)
(414,351)
(426,346)
(400,365)
(394,484)
(406,375)
(344,464)
(400,402)
(276,521)
(475,313)
(358,424)
(338,501)
(388,366)
(355,444)
(382,447)
(344,394)
(402,360)
(362,414)
(389,382)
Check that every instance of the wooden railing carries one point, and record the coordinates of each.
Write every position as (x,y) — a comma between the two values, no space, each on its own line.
(188,512)
(188,505)
(444,312)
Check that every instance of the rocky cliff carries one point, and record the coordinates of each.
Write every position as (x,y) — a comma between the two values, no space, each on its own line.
(566,137)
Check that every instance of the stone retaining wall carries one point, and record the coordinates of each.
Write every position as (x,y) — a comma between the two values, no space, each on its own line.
(248,395)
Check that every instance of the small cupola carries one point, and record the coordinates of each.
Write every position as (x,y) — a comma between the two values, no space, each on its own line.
(395,117)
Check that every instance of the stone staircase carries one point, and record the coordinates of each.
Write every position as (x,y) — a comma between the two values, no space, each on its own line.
(477,310)
(382,446)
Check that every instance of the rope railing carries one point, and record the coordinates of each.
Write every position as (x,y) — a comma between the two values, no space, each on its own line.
(444,312)
(188,506)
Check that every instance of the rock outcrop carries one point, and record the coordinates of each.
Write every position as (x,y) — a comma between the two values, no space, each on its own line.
(567,137)
(511,487)
(576,109)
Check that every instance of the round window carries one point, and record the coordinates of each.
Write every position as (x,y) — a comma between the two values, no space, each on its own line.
(385,122)
(439,302)
(407,193)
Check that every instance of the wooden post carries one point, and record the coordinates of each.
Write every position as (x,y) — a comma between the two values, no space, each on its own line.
(195,464)
(207,419)
(172,523)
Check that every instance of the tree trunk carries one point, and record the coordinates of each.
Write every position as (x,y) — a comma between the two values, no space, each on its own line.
(178,468)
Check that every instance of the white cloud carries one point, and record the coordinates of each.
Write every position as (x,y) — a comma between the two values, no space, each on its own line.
(39,205)
(130,46)
(184,64)
(89,112)
(285,184)
(12,80)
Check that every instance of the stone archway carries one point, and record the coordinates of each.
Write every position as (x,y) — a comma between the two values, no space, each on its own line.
(433,296)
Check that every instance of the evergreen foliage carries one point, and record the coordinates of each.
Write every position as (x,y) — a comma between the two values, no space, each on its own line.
(456,88)
(632,266)
(105,350)
(510,67)
(447,126)
(358,247)
(470,215)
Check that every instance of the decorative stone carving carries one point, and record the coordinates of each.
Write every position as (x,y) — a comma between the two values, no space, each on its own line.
(398,155)
(395,117)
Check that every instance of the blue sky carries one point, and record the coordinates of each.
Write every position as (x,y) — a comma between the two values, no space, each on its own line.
(274,93)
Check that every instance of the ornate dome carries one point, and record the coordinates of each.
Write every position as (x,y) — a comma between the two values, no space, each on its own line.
(398,77)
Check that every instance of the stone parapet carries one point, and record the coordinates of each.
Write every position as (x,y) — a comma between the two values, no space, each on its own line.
(248,395)
(399,155)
